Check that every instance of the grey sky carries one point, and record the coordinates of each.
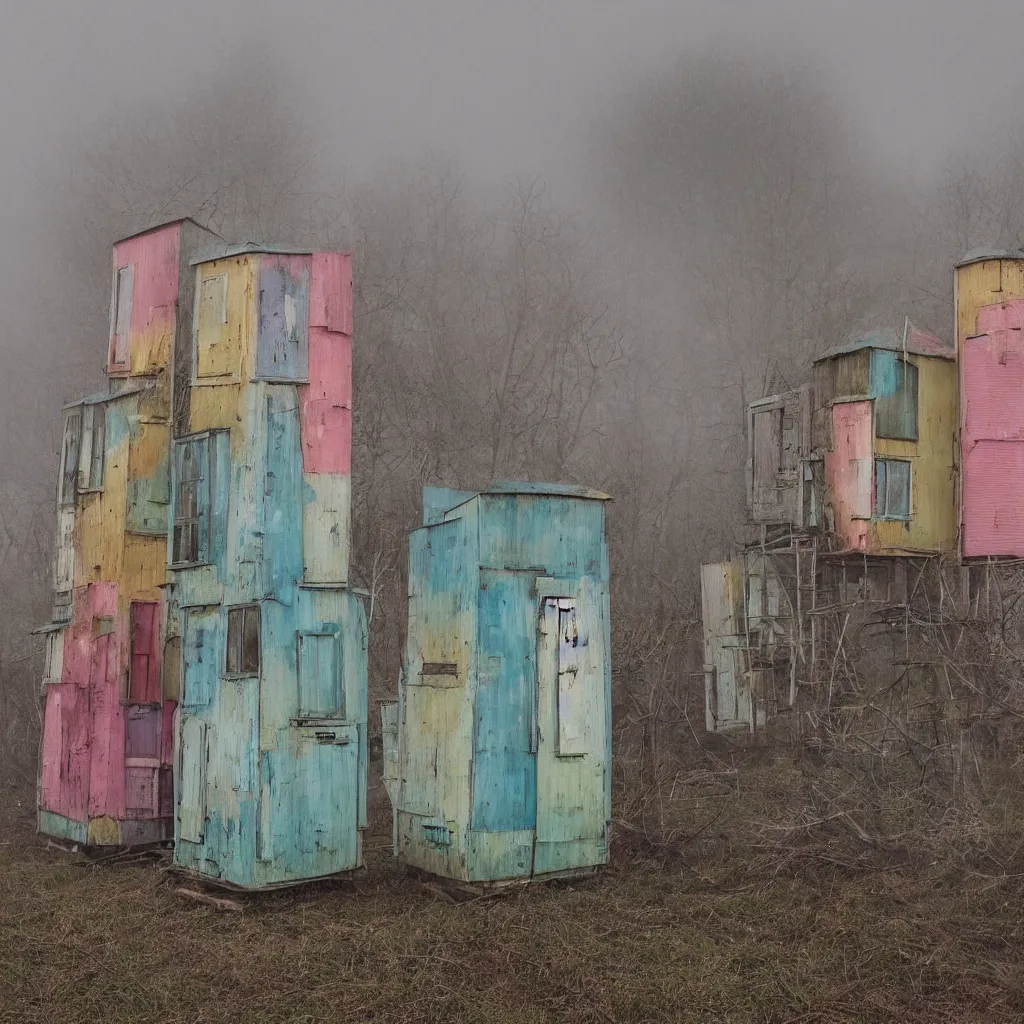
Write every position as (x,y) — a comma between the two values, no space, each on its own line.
(509,88)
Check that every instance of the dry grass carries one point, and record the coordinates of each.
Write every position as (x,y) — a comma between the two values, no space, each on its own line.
(727,928)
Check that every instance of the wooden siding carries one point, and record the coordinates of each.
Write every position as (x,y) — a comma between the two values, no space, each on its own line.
(482,791)
(284,794)
(115,786)
(992,433)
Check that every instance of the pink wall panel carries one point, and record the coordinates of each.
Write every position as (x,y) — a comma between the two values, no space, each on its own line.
(1000,317)
(155,256)
(49,776)
(155,292)
(326,404)
(993,504)
(992,434)
(330,292)
(848,472)
(993,387)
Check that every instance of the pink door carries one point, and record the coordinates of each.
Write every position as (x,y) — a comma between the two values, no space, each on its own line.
(848,472)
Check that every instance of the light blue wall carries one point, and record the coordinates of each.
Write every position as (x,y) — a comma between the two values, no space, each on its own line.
(284,798)
(471,774)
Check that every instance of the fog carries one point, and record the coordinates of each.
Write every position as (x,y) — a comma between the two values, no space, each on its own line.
(682,202)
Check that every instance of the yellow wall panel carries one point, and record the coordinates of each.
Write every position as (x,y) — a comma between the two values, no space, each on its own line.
(100,523)
(226,294)
(933,522)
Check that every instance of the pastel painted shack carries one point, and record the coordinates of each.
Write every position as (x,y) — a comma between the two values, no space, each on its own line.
(272,643)
(989,296)
(885,417)
(503,721)
(105,774)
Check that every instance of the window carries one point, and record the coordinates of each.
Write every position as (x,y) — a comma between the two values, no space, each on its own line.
(894,385)
(192,501)
(121,315)
(54,656)
(213,302)
(94,442)
(320,693)
(69,457)
(216,353)
(243,641)
(892,489)
(144,673)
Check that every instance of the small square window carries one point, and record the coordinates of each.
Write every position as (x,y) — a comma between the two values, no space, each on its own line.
(243,657)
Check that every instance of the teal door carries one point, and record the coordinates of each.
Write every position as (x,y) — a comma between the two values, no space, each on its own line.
(310,803)
(504,754)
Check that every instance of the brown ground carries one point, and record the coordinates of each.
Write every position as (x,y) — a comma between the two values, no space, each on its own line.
(723,931)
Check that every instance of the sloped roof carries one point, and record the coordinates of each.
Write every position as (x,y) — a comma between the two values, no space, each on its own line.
(228,249)
(919,343)
(99,397)
(166,224)
(535,487)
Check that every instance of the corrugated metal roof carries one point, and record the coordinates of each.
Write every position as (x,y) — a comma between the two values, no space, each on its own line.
(983,252)
(99,397)
(228,249)
(918,343)
(165,224)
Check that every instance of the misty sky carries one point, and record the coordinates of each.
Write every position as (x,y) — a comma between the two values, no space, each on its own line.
(508,88)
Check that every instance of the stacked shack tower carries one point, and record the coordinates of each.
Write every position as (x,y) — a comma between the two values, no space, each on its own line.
(272,732)
(852,492)
(107,732)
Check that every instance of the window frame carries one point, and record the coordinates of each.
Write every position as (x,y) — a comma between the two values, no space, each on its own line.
(885,515)
(71,454)
(906,370)
(241,672)
(334,638)
(124,364)
(203,493)
(92,465)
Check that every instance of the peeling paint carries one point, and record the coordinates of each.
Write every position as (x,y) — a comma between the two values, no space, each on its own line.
(503,719)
